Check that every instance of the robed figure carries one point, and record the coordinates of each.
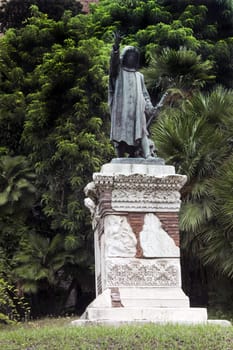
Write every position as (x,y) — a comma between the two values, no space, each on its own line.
(129,103)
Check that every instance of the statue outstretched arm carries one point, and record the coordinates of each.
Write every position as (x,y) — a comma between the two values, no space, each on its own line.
(114,64)
(115,56)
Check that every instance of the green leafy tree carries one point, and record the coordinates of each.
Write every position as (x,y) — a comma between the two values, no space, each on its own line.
(13,307)
(63,130)
(13,13)
(17,195)
(203,26)
(53,93)
(193,13)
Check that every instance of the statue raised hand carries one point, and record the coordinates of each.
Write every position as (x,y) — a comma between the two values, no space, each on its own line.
(117,36)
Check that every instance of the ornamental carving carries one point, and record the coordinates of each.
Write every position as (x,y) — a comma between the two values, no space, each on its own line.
(120,241)
(147,182)
(138,182)
(141,192)
(155,196)
(143,273)
(103,182)
(145,200)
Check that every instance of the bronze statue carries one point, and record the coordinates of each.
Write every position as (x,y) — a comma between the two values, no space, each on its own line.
(129,103)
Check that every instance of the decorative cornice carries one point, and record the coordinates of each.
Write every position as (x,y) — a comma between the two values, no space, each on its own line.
(139,192)
(138,182)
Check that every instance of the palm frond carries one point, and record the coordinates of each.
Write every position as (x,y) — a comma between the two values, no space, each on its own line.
(181,68)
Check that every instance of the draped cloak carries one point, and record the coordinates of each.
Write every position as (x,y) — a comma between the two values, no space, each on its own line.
(129,101)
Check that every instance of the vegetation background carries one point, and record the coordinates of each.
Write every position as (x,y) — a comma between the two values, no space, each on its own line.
(54,126)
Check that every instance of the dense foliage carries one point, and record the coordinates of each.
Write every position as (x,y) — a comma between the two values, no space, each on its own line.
(54,133)
(14,13)
(51,115)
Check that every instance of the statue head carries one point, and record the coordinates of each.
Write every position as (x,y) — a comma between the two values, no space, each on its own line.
(130,57)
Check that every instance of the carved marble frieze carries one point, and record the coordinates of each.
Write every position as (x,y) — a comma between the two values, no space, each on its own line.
(145,200)
(143,273)
(120,241)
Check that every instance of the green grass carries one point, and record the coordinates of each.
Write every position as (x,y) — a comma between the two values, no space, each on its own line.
(56,334)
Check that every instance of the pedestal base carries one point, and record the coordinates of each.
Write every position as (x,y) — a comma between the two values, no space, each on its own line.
(134,206)
(153,315)
(142,305)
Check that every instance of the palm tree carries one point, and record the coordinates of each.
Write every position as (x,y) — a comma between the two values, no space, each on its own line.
(39,261)
(17,191)
(181,71)
(196,138)
(51,267)
(194,133)
(218,239)
(17,196)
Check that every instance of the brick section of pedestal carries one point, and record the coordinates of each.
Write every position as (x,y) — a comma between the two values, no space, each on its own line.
(170,224)
(100,230)
(105,203)
(136,221)
(115,297)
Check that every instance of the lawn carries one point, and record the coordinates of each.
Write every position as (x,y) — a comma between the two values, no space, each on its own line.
(57,334)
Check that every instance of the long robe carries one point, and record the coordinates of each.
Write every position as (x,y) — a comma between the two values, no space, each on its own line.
(128,101)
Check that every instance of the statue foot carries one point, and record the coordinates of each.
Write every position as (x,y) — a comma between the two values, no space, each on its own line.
(150,157)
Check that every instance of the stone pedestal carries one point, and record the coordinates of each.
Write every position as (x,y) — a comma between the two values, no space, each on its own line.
(134,208)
